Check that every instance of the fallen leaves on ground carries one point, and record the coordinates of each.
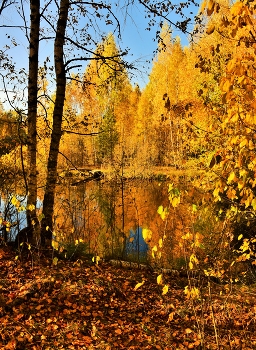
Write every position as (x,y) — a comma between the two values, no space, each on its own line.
(77,306)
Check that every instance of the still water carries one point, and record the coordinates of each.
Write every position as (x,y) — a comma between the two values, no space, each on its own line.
(108,218)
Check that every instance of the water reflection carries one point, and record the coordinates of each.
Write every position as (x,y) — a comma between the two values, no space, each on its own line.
(13,212)
(109,217)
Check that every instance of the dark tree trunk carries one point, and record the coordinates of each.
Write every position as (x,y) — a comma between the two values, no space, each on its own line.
(32,113)
(48,203)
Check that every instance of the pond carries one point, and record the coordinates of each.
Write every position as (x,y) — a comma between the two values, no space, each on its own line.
(109,217)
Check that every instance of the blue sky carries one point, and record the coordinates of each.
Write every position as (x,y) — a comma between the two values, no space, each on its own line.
(140,41)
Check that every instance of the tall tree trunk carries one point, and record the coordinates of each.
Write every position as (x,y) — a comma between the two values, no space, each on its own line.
(32,112)
(48,203)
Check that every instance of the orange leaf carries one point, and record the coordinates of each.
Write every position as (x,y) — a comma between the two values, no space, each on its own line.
(87,339)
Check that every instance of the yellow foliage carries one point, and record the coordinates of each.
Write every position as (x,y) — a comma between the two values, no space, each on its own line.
(210,7)
(192,293)
(243,143)
(226,86)
(146,234)
(154,249)
(138,285)
(163,212)
(96,259)
(30,207)
(55,261)
(210,29)
(232,177)
(231,65)
(55,245)
(159,279)
(231,194)
(253,203)
(193,260)
(15,202)
(237,8)
(175,201)
(165,289)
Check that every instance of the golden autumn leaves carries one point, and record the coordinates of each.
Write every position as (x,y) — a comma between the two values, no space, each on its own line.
(240,16)
(159,281)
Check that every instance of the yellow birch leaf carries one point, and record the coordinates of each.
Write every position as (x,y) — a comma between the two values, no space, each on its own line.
(160,243)
(146,234)
(55,245)
(240,237)
(96,259)
(30,207)
(165,289)
(231,65)
(138,285)
(175,201)
(210,29)
(226,86)
(232,177)
(240,185)
(163,212)
(159,279)
(235,118)
(247,202)
(15,202)
(55,261)
(236,8)
(154,249)
(244,143)
(251,145)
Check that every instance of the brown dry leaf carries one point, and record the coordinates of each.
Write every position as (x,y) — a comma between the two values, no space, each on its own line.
(170,317)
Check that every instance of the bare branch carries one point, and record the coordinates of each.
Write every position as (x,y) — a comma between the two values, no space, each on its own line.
(5,4)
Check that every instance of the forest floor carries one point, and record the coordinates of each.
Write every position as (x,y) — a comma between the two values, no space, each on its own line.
(75,305)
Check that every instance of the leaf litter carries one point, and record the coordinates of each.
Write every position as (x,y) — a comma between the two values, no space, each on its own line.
(84,306)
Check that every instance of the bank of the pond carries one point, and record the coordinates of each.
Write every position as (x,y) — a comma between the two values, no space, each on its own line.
(75,306)
(80,175)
